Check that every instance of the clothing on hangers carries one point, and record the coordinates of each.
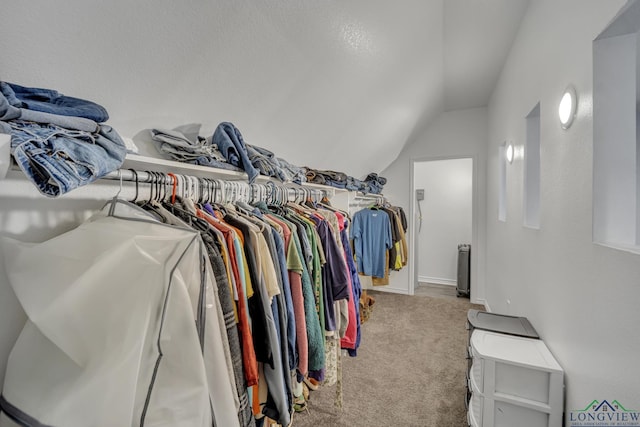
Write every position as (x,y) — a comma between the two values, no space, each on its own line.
(267,296)
(371,233)
(114,334)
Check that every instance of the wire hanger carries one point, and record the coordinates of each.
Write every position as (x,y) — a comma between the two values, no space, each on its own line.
(114,201)
(119,189)
(135,174)
(161,188)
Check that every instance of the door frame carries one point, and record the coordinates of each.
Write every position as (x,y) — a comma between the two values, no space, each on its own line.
(413,270)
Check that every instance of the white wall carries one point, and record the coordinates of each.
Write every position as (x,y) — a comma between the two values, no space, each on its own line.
(454,134)
(581,297)
(318,83)
(446,217)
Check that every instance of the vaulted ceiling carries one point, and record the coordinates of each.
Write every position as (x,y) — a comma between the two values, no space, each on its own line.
(342,85)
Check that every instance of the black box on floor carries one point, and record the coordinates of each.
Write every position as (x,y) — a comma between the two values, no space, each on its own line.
(500,323)
(463,284)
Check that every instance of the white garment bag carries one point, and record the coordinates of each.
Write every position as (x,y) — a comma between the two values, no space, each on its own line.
(119,310)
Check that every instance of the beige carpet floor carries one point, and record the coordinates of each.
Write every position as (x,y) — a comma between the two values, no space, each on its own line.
(410,368)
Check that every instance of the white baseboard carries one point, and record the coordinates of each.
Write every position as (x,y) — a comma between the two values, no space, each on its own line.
(486,305)
(437,280)
(388,289)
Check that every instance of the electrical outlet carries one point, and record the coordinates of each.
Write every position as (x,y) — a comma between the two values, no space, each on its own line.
(420,194)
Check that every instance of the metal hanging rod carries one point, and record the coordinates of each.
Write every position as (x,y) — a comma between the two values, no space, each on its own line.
(218,190)
(369,198)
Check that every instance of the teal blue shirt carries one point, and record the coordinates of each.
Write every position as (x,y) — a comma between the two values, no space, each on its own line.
(371,234)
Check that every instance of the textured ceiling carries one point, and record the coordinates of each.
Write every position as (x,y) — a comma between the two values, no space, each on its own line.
(477,37)
(340,85)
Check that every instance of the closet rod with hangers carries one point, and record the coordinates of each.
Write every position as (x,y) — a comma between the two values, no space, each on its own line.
(369,197)
(250,191)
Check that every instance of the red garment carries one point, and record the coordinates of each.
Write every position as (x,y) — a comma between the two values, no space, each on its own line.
(340,220)
(350,336)
(349,339)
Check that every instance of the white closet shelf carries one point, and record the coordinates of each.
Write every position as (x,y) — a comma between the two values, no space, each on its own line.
(137,162)
(141,163)
(153,164)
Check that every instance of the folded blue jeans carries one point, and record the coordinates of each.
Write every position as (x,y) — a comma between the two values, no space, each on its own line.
(52,101)
(353,184)
(374,187)
(11,112)
(336,184)
(374,177)
(57,160)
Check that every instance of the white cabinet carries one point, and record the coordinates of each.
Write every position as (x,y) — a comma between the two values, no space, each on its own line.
(513,381)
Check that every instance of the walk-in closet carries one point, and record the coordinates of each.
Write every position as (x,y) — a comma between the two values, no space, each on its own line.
(357,213)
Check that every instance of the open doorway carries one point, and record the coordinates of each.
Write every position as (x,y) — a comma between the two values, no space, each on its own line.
(443,216)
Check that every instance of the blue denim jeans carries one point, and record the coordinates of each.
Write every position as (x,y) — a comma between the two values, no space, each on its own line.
(336,184)
(11,112)
(374,177)
(353,184)
(230,143)
(266,162)
(374,187)
(297,173)
(8,111)
(57,160)
(52,101)
(373,184)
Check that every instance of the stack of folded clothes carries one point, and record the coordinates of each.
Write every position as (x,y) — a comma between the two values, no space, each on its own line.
(184,144)
(227,149)
(372,184)
(59,142)
(325,177)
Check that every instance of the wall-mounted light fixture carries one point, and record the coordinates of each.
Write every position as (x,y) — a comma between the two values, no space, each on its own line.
(568,106)
(509,153)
